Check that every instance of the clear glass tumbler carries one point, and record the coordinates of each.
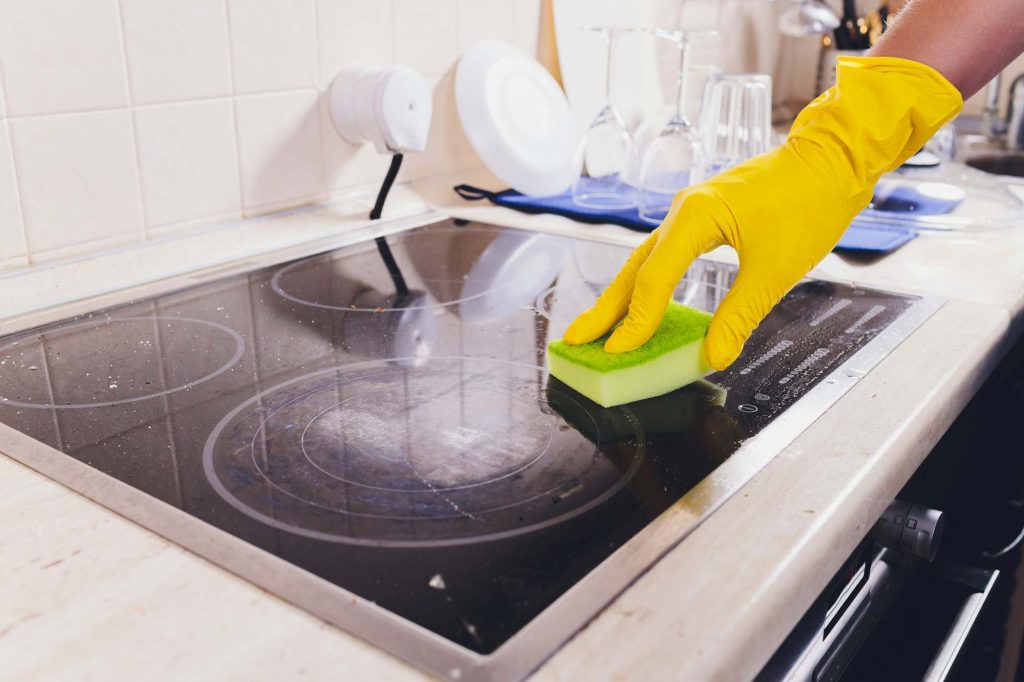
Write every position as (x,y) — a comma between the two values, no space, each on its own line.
(735,120)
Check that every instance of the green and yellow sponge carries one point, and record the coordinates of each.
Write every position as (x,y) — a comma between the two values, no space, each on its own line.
(671,359)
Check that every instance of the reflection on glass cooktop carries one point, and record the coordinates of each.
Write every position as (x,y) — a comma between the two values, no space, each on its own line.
(405,443)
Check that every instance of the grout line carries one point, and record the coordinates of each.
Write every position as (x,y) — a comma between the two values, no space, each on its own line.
(18,201)
(234,115)
(230,48)
(132,124)
(69,112)
(143,201)
(183,102)
(316,43)
(124,56)
(168,103)
(323,98)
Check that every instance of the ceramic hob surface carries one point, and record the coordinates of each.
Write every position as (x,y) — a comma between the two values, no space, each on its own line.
(394,432)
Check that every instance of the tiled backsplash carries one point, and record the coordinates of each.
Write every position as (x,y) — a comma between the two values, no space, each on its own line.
(123,120)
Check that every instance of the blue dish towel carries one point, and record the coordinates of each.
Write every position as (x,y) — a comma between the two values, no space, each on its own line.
(860,237)
(933,198)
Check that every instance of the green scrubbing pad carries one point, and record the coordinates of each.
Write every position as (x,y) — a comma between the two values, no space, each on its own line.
(671,359)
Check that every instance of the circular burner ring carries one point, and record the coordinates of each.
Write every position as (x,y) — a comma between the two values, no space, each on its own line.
(278,288)
(275,284)
(236,337)
(214,480)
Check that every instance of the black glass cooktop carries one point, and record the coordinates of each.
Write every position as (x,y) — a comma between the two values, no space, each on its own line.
(394,431)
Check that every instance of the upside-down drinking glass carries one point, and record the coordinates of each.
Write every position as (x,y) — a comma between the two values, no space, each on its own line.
(735,120)
(674,158)
(607,154)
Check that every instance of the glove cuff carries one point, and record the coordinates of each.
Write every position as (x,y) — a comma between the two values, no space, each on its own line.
(880,112)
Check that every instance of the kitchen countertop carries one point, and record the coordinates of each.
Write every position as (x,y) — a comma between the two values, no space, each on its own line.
(89,594)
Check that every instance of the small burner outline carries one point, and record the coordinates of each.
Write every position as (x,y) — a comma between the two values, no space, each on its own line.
(209,470)
(275,285)
(236,337)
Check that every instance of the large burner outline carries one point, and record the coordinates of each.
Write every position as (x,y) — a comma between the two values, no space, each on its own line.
(209,468)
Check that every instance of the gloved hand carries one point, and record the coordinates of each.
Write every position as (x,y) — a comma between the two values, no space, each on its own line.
(782,211)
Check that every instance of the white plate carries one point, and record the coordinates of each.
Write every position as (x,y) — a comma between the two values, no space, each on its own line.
(517,118)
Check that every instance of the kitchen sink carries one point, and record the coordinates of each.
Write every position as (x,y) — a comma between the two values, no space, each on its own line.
(1005,163)
(988,155)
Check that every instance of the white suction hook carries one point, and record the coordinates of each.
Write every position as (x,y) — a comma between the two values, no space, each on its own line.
(390,107)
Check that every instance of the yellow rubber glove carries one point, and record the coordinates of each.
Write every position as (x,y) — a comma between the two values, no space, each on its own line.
(782,211)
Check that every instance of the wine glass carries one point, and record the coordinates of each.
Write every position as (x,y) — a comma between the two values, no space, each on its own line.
(674,158)
(607,154)
(808,18)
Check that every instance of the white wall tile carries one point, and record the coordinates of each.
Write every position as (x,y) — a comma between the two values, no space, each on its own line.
(353,33)
(425,35)
(273,44)
(484,20)
(187,161)
(12,238)
(61,56)
(177,49)
(347,165)
(78,180)
(526,20)
(279,148)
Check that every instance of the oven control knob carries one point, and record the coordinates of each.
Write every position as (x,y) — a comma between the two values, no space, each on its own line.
(910,530)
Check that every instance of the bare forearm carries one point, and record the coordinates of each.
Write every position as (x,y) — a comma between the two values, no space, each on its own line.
(966,41)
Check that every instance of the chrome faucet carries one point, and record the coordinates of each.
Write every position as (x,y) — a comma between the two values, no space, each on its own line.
(1011,128)
(1015,115)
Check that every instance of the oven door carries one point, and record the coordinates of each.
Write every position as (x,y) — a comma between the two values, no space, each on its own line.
(935,607)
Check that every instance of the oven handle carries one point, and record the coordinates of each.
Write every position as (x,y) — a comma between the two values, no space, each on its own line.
(954,640)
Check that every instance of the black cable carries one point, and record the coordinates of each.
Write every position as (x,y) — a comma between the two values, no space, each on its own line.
(389,179)
(382,245)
